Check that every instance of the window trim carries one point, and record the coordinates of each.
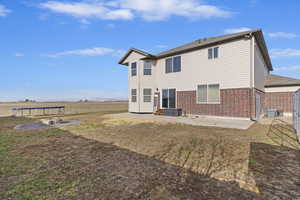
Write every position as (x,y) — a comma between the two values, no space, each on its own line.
(133,70)
(213,53)
(207,88)
(216,53)
(150,68)
(147,95)
(172,64)
(168,98)
(133,95)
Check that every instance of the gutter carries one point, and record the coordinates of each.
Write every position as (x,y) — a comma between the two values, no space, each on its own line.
(287,85)
(251,37)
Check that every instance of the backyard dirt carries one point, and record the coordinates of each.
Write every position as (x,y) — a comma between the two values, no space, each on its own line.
(216,152)
(122,158)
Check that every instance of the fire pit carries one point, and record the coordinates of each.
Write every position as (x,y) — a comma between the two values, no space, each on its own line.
(48,124)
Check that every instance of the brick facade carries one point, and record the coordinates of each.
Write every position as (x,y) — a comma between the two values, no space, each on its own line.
(279,100)
(234,103)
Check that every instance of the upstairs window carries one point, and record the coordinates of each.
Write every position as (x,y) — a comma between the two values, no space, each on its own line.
(133,69)
(177,64)
(213,53)
(133,95)
(147,95)
(208,93)
(147,68)
(173,64)
(210,53)
(216,52)
(169,65)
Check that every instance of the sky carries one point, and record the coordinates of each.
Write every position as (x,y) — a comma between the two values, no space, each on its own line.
(69,49)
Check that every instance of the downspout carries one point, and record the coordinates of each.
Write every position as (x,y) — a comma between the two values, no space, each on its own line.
(251,74)
(139,86)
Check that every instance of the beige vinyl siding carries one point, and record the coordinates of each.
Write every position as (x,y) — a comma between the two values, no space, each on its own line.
(140,82)
(260,70)
(133,81)
(231,69)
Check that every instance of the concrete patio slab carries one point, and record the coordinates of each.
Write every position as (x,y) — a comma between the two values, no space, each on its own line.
(195,121)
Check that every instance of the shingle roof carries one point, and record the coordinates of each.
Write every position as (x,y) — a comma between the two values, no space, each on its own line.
(277,81)
(135,50)
(206,42)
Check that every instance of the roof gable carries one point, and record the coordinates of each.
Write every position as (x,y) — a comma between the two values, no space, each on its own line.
(121,62)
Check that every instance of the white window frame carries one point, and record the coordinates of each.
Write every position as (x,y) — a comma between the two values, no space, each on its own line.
(131,95)
(136,66)
(147,68)
(207,88)
(213,53)
(172,64)
(147,95)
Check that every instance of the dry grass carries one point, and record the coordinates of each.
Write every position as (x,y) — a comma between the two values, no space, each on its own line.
(216,152)
(71,107)
(55,164)
(247,157)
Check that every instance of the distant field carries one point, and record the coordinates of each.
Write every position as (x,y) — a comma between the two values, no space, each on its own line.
(71,107)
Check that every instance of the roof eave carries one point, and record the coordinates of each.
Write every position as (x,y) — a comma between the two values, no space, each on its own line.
(121,61)
(263,47)
(282,85)
(200,47)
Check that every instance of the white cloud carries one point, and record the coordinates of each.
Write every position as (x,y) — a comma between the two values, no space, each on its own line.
(162,9)
(281,53)
(128,9)
(4,11)
(87,10)
(97,51)
(18,54)
(283,35)
(236,30)
(288,68)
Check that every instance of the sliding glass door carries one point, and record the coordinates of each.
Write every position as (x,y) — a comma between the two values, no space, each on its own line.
(169,98)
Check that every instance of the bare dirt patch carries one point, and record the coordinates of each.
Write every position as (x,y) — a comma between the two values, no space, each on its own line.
(216,152)
(55,164)
(103,159)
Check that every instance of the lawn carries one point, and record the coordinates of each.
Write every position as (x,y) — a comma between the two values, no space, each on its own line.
(122,158)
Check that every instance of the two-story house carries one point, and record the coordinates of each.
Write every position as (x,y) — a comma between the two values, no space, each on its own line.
(218,76)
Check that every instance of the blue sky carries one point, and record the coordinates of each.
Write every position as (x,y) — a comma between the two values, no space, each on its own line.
(56,50)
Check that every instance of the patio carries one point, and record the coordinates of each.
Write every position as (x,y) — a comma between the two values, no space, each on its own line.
(194,120)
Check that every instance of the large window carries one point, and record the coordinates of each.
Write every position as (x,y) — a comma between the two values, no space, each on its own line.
(173,64)
(133,95)
(213,53)
(147,94)
(147,68)
(208,93)
(169,98)
(133,69)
